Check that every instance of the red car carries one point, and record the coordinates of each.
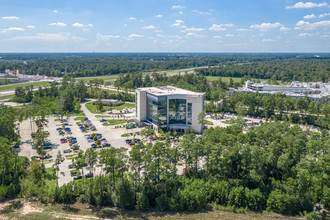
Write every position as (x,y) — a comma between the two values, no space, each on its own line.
(63,140)
(151,138)
(130,144)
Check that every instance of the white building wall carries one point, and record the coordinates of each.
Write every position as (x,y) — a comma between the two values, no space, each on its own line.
(141,105)
(197,108)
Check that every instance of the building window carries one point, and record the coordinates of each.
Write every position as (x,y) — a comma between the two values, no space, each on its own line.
(157,109)
(189,114)
(177,111)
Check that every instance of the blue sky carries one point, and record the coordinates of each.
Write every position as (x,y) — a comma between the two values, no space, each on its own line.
(164,26)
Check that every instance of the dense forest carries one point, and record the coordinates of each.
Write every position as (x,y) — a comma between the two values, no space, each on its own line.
(305,70)
(274,167)
(285,67)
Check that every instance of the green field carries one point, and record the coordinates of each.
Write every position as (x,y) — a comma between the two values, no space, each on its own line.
(108,78)
(115,122)
(50,176)
(6,97)
(14,86)
(93,108)
(224,79)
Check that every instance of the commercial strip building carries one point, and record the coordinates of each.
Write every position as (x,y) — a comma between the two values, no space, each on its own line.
(169,107)
(315,91)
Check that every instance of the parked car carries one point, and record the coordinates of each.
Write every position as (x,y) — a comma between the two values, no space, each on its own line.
(89,175)
(72,166)
(130,144)
(77,178)
(64,140)
(61,132)
(66,151)
(93,145)
(136,140)
(128,141)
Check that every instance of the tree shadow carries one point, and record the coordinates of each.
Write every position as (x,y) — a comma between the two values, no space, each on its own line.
(14,205)
(112,212)
(68,208)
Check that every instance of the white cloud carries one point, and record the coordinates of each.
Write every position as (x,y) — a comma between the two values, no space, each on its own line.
(284,28)
(149,27)
(106,37)
(5,30)
(47,37)
(220,27)
(316,16)
(77,25)
(324,15)
(158,31)
(176,24)
(135,35)
(10,18)
(267,25)
(177,7)
(132,18)
(229,35)
(181,12)
(179,21)
(310,16)
(268,40)
(242,29)
(55,11)
(306,35)
(217,37)
(58,24)
(191,34)
(308,26)
(307,5)
(201,12)
(195,29)
(158,16)
(31,27)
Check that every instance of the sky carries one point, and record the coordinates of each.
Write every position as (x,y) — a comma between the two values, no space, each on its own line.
(164,26)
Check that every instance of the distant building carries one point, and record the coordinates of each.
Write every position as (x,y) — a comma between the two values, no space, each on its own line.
(169,107)
(315,91)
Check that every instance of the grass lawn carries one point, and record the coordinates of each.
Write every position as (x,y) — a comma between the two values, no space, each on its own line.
(125,135)
(121,107)
(79,118)
(93,108)
(224,79)
(208,122)
(14,86)
(6,97)
(116,121)
(50,176)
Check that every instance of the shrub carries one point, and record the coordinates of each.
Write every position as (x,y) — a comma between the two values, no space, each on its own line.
(123,196)
(162,202)
(282,203)
(254,199)
(142,202)
(236,197)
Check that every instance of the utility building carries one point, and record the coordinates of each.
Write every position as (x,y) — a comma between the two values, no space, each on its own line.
(169,107)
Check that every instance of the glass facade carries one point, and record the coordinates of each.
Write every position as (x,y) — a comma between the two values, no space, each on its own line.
(177,111)
(157,109)
(189,114)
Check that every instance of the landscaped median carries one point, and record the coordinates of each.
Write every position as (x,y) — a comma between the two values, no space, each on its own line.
(114,122)
(93,108)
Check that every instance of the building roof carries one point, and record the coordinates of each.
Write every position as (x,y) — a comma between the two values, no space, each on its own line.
(169,90)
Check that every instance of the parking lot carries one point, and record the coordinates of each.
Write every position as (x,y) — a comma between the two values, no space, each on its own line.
(110,133)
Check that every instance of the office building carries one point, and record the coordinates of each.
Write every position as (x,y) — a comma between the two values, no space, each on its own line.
(169,107)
